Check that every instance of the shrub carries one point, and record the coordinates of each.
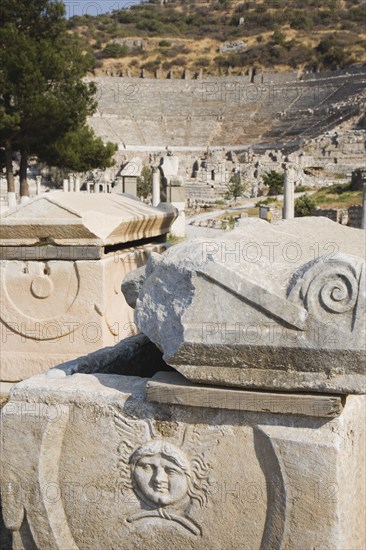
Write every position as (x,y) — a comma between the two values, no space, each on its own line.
(304,206)
(97,45)
(215,20)
(338,188)
(151,65)
(275,181)
(114,50)
(332,52)
(144,182)
(179,62)
(301,21)
(202,62)
(278,37)
(151,25)
(165,44)
(235,188)
(299,54)
(300,188)
(222,4)
(265,202)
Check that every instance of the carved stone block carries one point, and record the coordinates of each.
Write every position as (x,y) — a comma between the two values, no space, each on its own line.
(275,306)
(87,462)
(53,311)
(64,257)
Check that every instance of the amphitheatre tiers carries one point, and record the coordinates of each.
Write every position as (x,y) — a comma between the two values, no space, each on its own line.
(267,110)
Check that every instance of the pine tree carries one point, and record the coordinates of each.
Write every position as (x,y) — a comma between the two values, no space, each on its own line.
(43,97)
(78,151)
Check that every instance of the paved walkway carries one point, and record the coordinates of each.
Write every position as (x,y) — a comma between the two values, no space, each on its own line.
(197,231)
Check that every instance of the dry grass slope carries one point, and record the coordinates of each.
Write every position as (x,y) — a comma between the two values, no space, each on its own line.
(187,35)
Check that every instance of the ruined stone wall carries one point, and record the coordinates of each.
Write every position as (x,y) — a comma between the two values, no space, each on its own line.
(271,214)
(339,215)
(341,151)
(355,216)
(351,216)
(316,120)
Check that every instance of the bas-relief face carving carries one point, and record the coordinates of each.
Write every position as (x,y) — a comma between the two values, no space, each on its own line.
(163,479)
(160,473)
(160,479)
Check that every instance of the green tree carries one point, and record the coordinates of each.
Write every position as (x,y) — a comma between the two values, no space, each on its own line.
(78,151)
(304,206)
(275,182)
(235,188)
(144,182)
(43,96)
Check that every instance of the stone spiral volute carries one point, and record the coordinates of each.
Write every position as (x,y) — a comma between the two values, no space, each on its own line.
(328,286)
(335,289)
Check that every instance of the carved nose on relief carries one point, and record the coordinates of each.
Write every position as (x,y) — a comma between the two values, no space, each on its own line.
(160,478)
(41,287)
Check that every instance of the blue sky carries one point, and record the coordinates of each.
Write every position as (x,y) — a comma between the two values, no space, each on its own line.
(96,7)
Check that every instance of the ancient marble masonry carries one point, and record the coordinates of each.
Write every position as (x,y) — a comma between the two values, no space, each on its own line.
(64,256)
(234,420)
(107,468)
(228,111)
(277,306)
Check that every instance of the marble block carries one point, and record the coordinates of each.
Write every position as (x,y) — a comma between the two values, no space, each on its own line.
(89,462)
(54,311)
(63,259)
(266,306)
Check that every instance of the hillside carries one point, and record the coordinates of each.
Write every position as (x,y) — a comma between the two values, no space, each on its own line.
(225,36)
